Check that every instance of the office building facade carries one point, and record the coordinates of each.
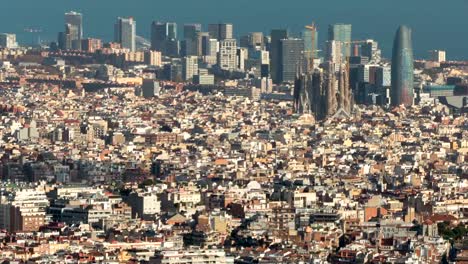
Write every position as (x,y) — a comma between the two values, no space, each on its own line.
(189,67)
(164,38)
(341,33)
(275,45)
(221,31)
(125,33)
(291,58)
(402,68)
(75,19)
(8,41)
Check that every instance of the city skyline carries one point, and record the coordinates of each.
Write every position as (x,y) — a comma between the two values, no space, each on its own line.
(242,132)
(99,21)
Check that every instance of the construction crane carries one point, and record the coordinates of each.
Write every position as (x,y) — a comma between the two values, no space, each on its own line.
(310,57)
(35,33)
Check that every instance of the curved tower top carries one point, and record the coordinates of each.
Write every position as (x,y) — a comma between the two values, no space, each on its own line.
(402,68)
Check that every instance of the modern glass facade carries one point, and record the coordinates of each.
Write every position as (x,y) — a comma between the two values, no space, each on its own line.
(125,33)
(75,19)
(275,45)
(342,33)
(309,46)
(291,54)
(402,68)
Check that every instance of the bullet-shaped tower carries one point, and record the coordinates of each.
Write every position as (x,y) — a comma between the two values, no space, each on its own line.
(402,68)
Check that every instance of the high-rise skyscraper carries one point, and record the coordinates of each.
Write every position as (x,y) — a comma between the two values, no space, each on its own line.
(437,55)
(291,58)
(310,37)
(75,19)
(276,36)
(191,30)
(342,33)
(164,38)
(68,39)
(71,37)
(190,42)
(402,68)
(171,30)
(125,32)
(158,35)
(334,52)
(221,31)
(253,41)
(242,56)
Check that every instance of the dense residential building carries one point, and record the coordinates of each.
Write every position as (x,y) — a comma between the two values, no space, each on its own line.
(158,153)
(24,210)
(153,58)
(193,256)
(91,44)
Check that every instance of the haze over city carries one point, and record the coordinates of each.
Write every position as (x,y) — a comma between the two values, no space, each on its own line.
(436,25)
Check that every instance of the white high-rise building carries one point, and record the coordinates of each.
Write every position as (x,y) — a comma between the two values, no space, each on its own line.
(144,203)
(189,67)
(227,57)
(212,47)
(125,33)
(8,41)
(242,56)
(334,51)
(438,55)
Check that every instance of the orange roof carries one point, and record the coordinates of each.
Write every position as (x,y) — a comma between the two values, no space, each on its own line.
(221,162)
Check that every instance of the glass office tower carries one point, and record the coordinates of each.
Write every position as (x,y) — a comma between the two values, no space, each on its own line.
(402,68)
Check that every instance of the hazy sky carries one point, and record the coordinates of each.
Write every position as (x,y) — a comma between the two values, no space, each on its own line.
(436,24)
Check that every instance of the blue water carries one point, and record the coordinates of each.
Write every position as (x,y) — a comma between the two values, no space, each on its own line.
(436,24)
